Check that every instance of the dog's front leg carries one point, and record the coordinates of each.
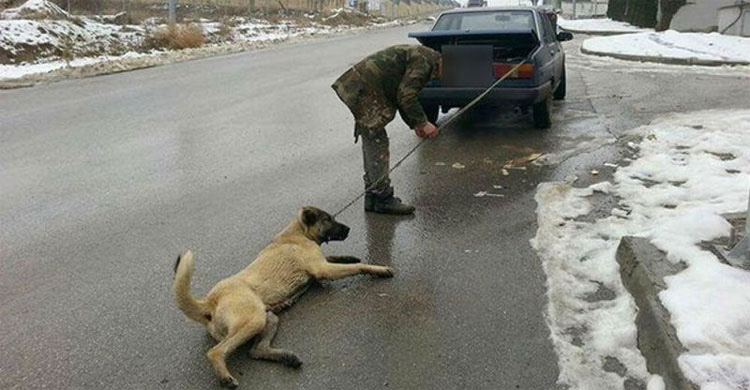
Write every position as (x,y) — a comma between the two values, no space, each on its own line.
(343,259)
(329,271)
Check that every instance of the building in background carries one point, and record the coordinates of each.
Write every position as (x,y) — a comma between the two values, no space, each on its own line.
(734,18)
(576,9)
(730,17)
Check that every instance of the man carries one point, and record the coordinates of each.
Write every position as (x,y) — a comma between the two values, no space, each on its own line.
(374,89)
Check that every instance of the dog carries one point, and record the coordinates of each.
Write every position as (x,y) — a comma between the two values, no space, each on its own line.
(244,306)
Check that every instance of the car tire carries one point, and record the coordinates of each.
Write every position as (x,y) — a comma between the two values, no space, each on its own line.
(431,112)
(559,93)
(541,113)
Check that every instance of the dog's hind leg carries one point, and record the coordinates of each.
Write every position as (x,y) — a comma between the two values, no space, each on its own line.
(263,350)
(242,328)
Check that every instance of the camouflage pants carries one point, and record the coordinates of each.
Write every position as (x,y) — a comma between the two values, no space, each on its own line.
(376,158)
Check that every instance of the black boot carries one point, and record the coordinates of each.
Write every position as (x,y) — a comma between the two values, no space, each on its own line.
(387,204)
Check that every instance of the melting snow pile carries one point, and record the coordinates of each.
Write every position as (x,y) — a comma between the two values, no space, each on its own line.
(673,45)
(39,29)
(689,169)
(599,26)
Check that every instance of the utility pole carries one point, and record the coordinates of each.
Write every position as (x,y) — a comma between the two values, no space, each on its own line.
(172,6)
(574,9)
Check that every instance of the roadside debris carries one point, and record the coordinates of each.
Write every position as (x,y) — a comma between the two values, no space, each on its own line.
(523,160)
(482,194)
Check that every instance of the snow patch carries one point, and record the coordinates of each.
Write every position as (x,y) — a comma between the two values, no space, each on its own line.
(600,25)
(9,72)
(674,45)
(689,169)
(35,9)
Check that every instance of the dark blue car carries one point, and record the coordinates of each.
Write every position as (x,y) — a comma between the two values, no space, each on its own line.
(480,45)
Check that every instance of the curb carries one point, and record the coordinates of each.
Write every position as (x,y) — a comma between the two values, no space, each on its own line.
(664,60)
(642,269)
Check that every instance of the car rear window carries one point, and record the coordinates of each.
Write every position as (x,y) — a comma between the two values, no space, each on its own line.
(489,20)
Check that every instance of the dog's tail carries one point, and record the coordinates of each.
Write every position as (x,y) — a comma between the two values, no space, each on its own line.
(195,309)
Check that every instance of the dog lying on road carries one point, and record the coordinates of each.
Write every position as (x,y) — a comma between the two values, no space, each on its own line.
(242,306)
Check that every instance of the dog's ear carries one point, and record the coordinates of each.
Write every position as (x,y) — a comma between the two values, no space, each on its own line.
(308,216)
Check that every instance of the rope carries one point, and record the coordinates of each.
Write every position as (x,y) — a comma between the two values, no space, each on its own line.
(443,126)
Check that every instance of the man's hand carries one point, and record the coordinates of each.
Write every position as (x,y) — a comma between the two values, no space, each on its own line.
(426,130)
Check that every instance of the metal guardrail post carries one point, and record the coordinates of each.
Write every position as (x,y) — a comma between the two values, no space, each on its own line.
(740,254)
(172,6)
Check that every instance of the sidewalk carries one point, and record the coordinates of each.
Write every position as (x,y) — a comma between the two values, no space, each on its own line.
(682,173)
(672,47)
(598,26)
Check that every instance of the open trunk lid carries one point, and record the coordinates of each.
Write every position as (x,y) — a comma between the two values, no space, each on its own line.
(508,46)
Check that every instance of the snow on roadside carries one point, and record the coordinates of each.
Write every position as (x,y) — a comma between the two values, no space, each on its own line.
(39,30)
(9,72)
(689,169)
(34,9)
(600,26)
(37,37)
(673,45)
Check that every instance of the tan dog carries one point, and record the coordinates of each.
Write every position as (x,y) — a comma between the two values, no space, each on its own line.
(242,306)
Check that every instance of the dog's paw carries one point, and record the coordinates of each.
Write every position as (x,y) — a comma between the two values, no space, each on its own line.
(385,272)
(291,360)
(229,382)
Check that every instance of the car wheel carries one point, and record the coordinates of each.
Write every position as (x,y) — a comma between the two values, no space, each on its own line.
(541,113)
(559,93)
(431,112)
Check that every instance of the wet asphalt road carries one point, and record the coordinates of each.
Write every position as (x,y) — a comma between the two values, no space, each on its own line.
(103,181)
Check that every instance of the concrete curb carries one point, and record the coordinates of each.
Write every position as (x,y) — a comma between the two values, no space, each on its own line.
(642,269)
(664,60)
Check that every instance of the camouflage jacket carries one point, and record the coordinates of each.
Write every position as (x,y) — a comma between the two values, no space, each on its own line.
(388,81)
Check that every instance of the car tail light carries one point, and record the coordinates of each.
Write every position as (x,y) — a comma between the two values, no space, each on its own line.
(525,71)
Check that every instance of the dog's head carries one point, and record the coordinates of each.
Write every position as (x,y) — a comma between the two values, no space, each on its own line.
(320,226)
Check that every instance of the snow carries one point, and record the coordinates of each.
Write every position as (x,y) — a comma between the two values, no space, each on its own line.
(47,35)
(689,169)
(597,26)
(674,45)
(34,8)
(656,383)
(35,36)
(9,72)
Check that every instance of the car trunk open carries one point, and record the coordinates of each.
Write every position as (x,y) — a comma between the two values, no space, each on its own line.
(477,58)
(507,46)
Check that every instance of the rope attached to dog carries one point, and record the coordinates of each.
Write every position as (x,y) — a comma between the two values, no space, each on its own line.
(442,127)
